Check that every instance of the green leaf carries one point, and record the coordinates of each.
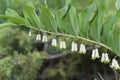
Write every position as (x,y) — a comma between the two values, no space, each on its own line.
(31,16)
(61,13)
(69,26)
(97,23)
(107,29)
(109,39)
(85,16)
(116,41)
(3,25)
(66,26)
(48,19)
(13,16)
(73,19)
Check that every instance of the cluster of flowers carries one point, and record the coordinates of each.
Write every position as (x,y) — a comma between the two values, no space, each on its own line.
(39,37)
(105,59)
(82,50)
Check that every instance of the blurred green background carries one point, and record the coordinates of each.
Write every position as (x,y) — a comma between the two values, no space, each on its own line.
(23,58)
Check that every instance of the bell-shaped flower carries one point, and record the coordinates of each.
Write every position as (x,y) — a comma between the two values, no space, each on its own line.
(82,49)
(38,37)
(44,38)
(95,54)
(115,64)
(62,45)
(105,58)
(54,42)
(74,47)
(29,33)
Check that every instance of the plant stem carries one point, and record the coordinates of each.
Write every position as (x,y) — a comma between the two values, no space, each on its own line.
(100,76)
(101,44)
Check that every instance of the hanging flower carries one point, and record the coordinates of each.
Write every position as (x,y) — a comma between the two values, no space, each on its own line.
(29,33)
(62,45)
(74,47)
(115,64)
(54,42)
(95,54)
(44,38)
(82,49)
(105,58)
(38,37)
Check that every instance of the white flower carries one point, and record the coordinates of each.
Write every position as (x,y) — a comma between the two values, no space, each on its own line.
(105,58)
(44,38)
(38,37)
(54,42)
(82,49)
(115,64)
(95,54)
(62,45)
(29,33)
(74,47)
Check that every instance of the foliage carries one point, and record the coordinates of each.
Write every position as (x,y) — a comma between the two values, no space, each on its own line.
(93,21)
(17,61)
(89,24)
(16,67)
